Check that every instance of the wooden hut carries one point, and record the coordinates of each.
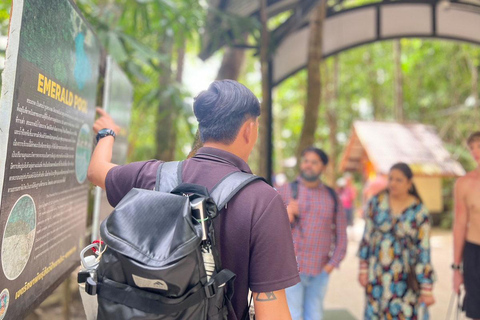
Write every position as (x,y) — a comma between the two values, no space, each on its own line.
(375,146)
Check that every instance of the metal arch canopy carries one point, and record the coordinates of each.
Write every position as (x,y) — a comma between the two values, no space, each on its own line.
(380,21)
(247,8)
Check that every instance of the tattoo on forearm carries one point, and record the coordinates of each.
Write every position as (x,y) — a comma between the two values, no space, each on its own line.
(265,296)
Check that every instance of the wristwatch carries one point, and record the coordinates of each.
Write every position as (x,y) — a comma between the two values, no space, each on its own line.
(104,133)
(456,266)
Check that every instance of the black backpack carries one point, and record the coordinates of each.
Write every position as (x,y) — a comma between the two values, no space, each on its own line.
(161,260)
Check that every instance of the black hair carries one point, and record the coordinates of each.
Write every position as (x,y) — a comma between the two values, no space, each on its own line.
(320,153)
(408,173)
(222,109)
(473,137)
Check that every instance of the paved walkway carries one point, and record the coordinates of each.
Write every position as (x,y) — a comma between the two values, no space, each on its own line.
(345,298)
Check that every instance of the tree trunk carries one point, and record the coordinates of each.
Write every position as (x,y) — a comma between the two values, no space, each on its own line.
(232,62)
(332,118)
(179,79)
(231,67)
(474,83)
(310,117)
(474,70)
(180,61)
(265,121)
(165,110)
(166,133)
(278,125)
(375,94)
(397,54)
(67,299)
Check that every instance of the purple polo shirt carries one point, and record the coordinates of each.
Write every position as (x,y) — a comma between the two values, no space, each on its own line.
(254,234)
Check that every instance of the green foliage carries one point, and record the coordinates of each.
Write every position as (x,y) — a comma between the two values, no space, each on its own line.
(225,28)
(339,5)
(142,36)
(5,7)
(138,33)
(437,82)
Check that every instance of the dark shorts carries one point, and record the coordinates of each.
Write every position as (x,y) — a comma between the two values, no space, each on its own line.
(471,274)
(349,213)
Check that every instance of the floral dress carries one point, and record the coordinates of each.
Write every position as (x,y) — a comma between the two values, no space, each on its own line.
(388,243)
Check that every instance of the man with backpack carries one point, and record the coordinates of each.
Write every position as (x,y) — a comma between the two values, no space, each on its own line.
(251,230)
(319,233)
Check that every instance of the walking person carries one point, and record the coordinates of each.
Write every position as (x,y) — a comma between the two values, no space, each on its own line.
(347,194)
(395,265)
(319,234)
(466,233)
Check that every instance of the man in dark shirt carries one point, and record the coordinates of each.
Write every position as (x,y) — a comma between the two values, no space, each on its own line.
(253,229)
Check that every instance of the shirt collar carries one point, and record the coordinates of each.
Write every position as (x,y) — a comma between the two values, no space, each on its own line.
(224,157)
(300,180)
(384,201)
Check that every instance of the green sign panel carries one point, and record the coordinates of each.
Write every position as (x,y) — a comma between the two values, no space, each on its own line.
(46,116)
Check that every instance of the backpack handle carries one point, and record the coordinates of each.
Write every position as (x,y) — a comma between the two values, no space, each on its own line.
(190,188)
(294,189)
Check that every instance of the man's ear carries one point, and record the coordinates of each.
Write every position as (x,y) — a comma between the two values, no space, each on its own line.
(249,127)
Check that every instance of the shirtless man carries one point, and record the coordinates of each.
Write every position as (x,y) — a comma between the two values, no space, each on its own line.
(466,233)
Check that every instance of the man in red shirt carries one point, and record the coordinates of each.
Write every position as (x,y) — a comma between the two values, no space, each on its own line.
(319,235)
(253,229)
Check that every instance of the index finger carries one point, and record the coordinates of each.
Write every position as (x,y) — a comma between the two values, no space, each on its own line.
(102,112)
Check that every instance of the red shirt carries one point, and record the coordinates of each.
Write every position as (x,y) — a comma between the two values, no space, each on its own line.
(253,232)
(316,242)
(347,195)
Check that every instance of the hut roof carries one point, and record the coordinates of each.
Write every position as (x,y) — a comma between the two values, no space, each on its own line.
(386,143)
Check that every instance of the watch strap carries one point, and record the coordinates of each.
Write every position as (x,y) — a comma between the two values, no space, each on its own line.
(105,133)
(456,266)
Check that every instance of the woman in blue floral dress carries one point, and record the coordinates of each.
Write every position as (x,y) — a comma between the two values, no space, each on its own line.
(396,237)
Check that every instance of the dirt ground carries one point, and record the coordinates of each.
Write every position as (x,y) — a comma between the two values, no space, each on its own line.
(343,283)
(53,307)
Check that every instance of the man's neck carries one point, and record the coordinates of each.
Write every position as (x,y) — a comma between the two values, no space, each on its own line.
(232,148)
(311,184)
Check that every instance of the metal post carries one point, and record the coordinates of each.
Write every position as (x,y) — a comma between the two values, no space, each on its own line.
(270,122)
(96,214)
(67,299)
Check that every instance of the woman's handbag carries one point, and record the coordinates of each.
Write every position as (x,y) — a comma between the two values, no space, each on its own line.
(412,281)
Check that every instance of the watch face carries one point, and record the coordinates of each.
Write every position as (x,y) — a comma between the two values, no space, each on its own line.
(105,132)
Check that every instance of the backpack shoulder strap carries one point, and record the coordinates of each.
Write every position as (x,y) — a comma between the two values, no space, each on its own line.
(294,189)
(169,176)
(334,197)
(228,187)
